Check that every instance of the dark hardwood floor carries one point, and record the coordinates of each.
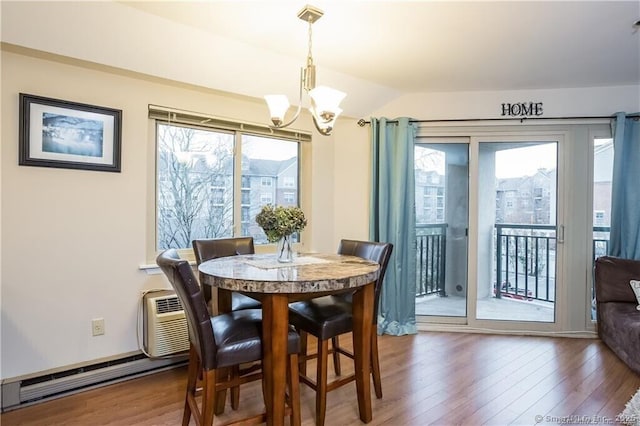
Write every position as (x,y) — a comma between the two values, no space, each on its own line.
(429,378)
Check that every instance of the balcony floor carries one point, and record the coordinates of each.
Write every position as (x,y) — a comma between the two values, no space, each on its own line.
(489,308)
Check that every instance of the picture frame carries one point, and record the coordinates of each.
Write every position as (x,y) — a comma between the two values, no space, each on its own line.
(71,135)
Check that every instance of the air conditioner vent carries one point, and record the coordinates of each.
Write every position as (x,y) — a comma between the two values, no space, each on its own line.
(170,304)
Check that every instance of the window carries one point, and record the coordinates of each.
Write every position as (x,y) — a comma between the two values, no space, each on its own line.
(245,214)
(602,178)
(246,197)
(217,195)
(269,160)
(195,181)
(265,198)
(289,198)
(289,182)
(246,182)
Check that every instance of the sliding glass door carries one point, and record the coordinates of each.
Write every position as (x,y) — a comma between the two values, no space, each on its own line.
(488,239)
(517,235)
(442,222)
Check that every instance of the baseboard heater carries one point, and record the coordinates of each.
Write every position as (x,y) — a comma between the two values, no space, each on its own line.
(22,392)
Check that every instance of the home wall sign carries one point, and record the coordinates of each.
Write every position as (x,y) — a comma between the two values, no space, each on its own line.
(522,109)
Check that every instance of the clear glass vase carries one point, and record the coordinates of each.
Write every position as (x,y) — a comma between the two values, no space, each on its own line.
(285,253)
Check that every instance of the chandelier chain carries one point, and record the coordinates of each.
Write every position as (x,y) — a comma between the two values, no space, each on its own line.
(309,57)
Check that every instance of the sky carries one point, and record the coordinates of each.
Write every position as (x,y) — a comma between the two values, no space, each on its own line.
(525,161)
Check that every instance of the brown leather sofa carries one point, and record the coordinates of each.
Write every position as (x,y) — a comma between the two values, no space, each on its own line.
(618,318)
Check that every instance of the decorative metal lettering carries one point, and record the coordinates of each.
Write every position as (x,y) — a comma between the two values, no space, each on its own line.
(522,109)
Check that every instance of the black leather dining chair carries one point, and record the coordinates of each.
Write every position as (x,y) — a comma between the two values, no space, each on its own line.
(207,249)
(328,317)
(213,248)
(218,342)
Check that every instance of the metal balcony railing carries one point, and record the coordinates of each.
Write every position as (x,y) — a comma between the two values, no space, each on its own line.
(525,259)
(431,251)
(600,241)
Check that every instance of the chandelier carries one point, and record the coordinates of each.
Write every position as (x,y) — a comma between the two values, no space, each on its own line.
(325,101)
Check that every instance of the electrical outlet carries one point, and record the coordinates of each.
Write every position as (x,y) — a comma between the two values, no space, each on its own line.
(97,326)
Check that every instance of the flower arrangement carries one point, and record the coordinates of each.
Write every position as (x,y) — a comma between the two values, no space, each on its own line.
(278,222)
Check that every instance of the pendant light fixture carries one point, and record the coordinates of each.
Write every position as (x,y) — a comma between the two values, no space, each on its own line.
(325,101)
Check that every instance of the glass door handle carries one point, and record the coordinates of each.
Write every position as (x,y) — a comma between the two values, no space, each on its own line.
(560,234)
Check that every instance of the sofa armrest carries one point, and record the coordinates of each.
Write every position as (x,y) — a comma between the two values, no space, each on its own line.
(612,276)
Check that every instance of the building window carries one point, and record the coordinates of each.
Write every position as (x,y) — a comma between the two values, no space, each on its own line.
(245,214)
(246,182)
(195,173)
(217,195)
(266,198)
(289,198)
(289,182)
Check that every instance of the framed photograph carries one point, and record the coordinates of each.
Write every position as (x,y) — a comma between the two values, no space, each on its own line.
(55,133)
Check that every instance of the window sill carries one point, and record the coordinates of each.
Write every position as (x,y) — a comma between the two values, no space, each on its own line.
(154,269)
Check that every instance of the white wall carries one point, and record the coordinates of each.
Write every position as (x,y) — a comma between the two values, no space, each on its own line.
(572,102)
(73,240)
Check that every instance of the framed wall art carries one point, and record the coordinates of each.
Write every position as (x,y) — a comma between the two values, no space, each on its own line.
(56,133)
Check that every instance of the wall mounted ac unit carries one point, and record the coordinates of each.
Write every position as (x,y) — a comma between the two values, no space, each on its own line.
(165,325)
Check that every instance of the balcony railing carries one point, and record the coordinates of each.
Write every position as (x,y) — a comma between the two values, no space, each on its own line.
(431,248)
(600,241)
(525,259)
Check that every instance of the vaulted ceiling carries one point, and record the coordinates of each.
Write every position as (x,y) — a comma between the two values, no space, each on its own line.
(379,50)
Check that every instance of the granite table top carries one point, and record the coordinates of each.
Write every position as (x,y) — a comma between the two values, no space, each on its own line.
(262,273)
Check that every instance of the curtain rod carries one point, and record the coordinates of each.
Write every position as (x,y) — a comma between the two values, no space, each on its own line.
(362,122)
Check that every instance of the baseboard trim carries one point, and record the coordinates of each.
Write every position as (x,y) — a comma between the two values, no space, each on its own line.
(21,392)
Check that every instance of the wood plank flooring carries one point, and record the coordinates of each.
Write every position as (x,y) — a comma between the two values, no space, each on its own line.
(428,379)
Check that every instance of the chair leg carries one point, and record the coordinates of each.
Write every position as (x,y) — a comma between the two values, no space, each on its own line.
(221,396)
(321,381)
(303,352)
(208,397)
(235,391)
(375,364)
(335,343)
(294,390)
(192,379)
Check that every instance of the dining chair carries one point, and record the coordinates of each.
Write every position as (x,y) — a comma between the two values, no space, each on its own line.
(207,249)
(213,248)
(218,342)
(328,317)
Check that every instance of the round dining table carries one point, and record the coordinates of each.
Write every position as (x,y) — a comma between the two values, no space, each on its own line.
(275,285)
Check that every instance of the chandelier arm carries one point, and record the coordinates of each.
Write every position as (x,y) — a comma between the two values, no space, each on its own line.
(324,132)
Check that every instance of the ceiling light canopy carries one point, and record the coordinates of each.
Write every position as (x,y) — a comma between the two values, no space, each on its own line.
(325,101)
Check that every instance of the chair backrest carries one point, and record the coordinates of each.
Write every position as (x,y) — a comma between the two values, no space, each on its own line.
(208,249)
(374,251)
(213,248)
(184,282)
